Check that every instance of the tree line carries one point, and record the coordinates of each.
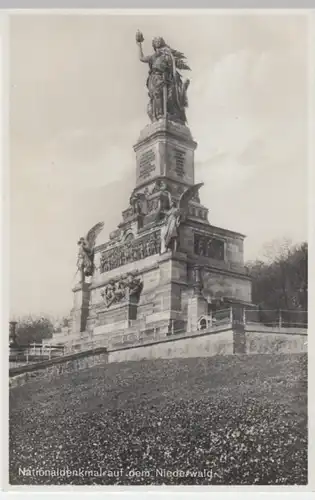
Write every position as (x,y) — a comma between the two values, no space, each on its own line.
(279,283)
(30,329)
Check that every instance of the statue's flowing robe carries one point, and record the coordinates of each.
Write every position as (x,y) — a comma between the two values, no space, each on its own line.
(163,72)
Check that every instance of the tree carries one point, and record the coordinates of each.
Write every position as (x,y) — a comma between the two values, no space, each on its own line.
(280,282)
(33,329)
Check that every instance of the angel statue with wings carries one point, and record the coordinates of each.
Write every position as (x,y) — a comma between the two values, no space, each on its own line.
(85,262)
(174,217)
(166,88)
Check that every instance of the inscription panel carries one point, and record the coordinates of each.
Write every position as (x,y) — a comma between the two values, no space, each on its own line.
(208,246)
(179,157)
(146,164)
(180,163)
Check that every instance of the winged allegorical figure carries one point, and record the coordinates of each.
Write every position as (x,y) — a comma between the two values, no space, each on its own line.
(174,217)
(85,262)
(166,88)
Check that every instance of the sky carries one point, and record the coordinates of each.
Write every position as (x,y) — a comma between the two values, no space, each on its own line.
(77,105)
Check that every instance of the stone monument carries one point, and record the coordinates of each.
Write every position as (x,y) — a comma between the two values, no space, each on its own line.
(165,265)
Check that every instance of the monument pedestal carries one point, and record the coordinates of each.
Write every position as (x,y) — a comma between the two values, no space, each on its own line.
(135,288)
(165,149)
(81,306)
(158,306)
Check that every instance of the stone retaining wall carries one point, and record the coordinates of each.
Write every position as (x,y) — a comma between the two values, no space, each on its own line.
(275,342)
(184,347)
(54,367)
(223,341)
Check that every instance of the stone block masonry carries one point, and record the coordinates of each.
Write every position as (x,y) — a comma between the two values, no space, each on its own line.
(225,341)
(185,347)
(54,367)
(273,342)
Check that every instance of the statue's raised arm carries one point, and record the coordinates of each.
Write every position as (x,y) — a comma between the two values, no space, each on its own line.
(139,40)
(167,90)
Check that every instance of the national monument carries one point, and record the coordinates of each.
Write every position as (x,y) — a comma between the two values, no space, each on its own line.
(165,265)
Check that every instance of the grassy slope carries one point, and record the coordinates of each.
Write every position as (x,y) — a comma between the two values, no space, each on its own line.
(243,419)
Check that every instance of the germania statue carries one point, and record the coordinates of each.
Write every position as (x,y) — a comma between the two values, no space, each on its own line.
(166,89)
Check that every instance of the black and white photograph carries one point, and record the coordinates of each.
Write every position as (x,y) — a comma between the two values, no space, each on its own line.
(158,295)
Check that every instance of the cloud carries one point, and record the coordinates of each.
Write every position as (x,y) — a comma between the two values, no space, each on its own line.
(250,114)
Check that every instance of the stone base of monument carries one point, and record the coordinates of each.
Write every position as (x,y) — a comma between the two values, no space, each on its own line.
(80,310)
(170,297)
(158,306)
(137,292)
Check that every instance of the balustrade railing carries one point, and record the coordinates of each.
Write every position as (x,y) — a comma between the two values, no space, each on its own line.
(280,319)
(34,353)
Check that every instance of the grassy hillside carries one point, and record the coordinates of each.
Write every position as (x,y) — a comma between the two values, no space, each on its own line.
(220,420)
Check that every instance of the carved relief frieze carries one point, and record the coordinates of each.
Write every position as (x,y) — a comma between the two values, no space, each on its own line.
(122,289)
(130,251)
